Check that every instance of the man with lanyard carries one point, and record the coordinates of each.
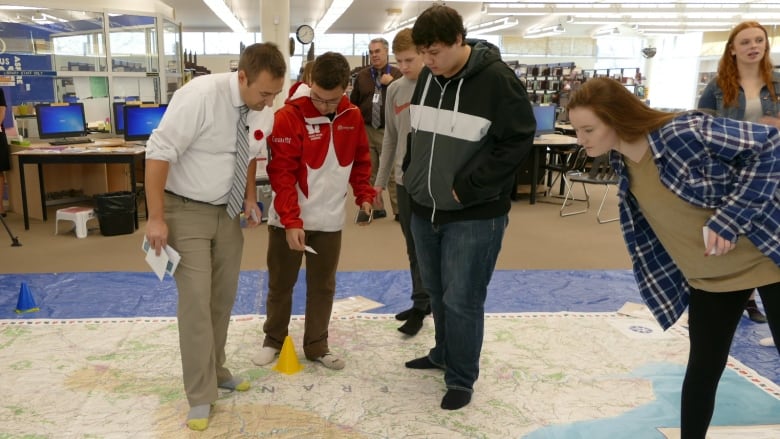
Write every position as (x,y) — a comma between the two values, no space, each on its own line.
(368,93)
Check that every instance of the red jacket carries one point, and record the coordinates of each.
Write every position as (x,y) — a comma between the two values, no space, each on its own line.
(312,159)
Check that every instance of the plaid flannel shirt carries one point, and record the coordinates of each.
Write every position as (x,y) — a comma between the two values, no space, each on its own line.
(723,164)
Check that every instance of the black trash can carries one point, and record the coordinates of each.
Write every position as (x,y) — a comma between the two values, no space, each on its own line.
(116,213)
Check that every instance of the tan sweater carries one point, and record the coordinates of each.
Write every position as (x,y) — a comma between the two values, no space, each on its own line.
(678,226)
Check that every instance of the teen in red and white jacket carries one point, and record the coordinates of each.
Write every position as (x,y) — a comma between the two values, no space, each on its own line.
(318,147)
(312,158)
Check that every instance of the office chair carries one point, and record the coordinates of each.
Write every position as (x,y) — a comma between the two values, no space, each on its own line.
(596,170)
(562,159)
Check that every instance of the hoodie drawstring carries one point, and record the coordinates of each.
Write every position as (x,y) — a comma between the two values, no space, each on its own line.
(457,103)
(422,101)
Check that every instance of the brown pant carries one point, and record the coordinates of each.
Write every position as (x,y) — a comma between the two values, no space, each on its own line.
(283,267)
(210,245)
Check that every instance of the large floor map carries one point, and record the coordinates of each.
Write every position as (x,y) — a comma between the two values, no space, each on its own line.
(543,375)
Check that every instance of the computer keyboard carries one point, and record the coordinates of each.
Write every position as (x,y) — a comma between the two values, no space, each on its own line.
(70,141)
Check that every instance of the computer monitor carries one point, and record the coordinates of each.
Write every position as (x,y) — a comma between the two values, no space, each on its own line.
(141,120)
(61,120)
(119,117)
(545,119)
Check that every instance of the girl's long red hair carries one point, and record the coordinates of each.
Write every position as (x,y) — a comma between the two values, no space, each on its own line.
(728,74)
(618,108)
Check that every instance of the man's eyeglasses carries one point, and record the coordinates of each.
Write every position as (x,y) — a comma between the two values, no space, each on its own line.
(331,103)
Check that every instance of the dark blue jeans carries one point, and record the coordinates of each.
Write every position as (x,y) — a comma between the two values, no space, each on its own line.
(456,263)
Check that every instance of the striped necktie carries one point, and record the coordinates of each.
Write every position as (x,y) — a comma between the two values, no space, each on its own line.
(376,100)
(236,199)
(376,108)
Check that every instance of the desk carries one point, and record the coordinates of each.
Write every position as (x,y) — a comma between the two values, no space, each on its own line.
(101,151)
(565,128)
(542,143)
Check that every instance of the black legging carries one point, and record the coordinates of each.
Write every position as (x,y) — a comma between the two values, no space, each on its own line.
(712,321)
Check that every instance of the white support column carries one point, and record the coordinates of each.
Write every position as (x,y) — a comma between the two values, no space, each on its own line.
(275,28)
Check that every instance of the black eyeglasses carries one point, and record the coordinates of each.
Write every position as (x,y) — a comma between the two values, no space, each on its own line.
(331,103)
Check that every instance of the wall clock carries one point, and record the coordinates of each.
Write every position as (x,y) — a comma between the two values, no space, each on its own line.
(304,34)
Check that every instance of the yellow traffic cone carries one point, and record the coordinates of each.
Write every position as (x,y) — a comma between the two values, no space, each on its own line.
(288,359)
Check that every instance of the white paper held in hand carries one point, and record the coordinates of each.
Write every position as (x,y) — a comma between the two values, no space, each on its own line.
(706,233)
(309,249)
(166,262)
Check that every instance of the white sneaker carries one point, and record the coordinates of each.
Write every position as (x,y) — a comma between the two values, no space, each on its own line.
(266,355)
(769,341)
(331,361)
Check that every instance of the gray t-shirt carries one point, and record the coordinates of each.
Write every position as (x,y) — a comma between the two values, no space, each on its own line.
(397,127)
(753,110)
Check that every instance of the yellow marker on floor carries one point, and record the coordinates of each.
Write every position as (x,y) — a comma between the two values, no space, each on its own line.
(288,359)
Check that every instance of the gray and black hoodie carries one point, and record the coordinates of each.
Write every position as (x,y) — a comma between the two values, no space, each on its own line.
(469,133)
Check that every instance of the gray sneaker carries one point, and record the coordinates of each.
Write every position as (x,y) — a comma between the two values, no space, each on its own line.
(266,355)
(331,361)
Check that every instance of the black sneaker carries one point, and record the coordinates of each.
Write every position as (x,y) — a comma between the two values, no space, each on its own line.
(414,323)
(404,315)
(379,213)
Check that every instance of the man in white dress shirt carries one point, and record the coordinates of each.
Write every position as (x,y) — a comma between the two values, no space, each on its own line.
(190,164)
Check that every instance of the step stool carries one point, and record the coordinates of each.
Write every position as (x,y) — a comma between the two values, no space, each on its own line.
(79,215)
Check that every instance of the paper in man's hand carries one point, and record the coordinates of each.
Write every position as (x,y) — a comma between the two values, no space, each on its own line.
(166,262)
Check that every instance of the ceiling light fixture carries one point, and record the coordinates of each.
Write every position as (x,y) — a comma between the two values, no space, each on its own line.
(542,32)
(611,11)
(53,18)
(394,15)
(605,32)
(20,8)
(41,20)
(46,19)
(401,24)
(225,14)
(334,12)
(493,26)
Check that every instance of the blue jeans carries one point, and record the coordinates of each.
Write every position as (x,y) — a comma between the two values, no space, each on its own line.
(456,263)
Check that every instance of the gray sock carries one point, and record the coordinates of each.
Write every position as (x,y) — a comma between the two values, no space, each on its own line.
(235,383)
(198,417)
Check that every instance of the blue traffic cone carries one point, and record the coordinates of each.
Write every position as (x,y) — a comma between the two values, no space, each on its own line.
(26,302)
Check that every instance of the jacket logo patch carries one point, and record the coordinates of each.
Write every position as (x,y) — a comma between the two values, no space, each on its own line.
(345,127)
(314,132)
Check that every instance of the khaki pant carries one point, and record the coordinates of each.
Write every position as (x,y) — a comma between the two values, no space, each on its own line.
(210,245)
(283,267)
(375,137)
